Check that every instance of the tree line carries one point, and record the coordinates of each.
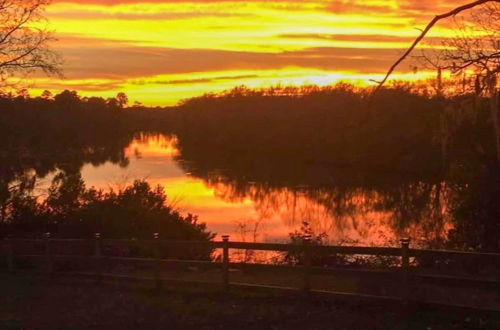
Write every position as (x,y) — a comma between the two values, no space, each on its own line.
(403,147)
(422,153)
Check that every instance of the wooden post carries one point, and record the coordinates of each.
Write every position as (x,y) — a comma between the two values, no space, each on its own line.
(10,254)
(405,270)
(97,254)
(157,256)
(306,279)
(225,262)
(48,252)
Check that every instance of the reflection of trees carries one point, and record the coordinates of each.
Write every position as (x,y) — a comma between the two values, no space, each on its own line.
(415,209)
(307,160)
(316,157)
(37,158)
(45,154)
(40,136)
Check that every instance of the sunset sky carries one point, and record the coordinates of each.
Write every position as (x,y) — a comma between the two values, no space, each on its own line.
(159,52)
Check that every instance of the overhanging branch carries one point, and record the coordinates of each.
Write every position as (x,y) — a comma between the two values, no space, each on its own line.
(424,33)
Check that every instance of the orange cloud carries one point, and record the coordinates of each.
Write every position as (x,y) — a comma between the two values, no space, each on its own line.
(183,48)
(101,61)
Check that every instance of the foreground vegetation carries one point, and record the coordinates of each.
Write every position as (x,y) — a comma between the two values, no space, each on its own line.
(71,210)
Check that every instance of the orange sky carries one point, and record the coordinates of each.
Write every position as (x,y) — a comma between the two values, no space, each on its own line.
(159,52)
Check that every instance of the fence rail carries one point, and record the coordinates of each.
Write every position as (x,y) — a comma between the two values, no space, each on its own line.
(406,274)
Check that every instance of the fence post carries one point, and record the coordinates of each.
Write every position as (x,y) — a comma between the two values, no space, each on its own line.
(97,253)
(10,254)
(48,252)
(157,256)
(225,262)
(306,284)
(405,270)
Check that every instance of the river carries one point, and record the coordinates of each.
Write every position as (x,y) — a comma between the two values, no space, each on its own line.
(355,216)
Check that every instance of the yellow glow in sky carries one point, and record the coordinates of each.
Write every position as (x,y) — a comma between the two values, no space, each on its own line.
(159,52)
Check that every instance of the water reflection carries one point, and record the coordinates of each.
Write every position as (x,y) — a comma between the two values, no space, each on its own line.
(268,211)
(257,202)
(353,215)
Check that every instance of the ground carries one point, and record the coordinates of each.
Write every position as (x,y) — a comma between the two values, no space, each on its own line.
(37,302)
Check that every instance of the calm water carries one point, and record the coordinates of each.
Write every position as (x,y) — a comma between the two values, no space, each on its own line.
(354,216)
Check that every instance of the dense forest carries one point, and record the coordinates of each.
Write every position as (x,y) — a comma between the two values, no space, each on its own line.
(416,149)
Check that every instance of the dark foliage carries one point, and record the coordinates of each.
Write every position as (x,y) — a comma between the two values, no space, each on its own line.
(72,210)
(476,211)
(312,128)
(327,144)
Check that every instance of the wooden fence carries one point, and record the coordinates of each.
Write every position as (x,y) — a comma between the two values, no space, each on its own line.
(406,271)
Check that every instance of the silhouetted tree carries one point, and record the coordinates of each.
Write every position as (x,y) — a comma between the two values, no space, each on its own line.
(474,51)
(480,52)
(424,32)
(72,210)
(122,99)
(46,95)
(24,40)
(67,100)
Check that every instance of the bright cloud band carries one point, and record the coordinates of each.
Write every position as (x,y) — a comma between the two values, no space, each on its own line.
(159,52)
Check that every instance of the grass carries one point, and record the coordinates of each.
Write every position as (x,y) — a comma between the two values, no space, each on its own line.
(34,302)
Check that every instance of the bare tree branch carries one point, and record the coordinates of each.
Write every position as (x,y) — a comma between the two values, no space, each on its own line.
(25,40)
(424,33)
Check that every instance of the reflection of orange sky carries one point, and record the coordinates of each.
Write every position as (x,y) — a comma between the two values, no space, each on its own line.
(161,51)
(351,221)
(272,218)
(156,145)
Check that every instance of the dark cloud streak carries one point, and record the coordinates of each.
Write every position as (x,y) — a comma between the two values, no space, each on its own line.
(353,37)
(135,62)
